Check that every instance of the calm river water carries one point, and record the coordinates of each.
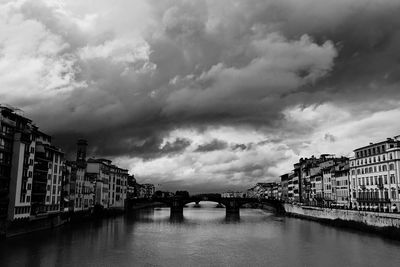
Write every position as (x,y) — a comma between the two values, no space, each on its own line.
(203,237)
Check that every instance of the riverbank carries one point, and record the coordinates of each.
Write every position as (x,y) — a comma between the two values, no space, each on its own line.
(21,227)
(384,224)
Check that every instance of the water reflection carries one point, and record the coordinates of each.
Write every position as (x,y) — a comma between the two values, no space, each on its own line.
(203,236)
(232,218)
(176,217)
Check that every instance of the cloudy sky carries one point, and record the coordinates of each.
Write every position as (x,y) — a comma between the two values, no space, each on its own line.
(205,95)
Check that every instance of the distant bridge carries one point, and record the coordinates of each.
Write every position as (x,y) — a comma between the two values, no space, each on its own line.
(232,205)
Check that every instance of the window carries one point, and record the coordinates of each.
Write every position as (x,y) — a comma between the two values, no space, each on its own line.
(28,198)
(385,178)
(29,186)
(391,167)
(384,168)
(390,156)
(392,179)
(393,193)
(374,168)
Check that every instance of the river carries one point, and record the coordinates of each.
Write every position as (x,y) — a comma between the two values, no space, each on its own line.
(202,237)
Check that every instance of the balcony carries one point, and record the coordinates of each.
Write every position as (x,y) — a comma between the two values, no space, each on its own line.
(373,200)
(8,121)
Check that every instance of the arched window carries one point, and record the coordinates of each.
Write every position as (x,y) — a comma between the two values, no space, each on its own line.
(391,166)
(393,193)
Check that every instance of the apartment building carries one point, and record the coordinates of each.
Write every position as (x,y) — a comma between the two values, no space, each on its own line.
(374,176)
(110,181)
(342,186)
(117,193)
(47,176)
(16,164)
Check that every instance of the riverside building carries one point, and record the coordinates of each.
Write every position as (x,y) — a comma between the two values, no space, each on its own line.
(78,186)
(47,176)
(342,186)
(374,172)
(17,147)
(30,169)
(110,183)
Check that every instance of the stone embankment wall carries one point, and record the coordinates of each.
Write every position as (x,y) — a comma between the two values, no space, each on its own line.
(373,219)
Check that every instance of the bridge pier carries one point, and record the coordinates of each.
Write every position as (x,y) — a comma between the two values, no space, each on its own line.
(177,206)
(232,207)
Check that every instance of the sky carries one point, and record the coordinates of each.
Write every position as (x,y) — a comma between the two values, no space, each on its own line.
(202,95)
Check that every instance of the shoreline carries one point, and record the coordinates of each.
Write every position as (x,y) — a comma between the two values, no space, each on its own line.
(368,222)
(19,228)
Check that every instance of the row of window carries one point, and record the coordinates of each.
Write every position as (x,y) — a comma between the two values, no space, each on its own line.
(373,150)
(24,198)
(379,168)
(371,160)
(375,180)
(53,199)
(375,194)
(22,210)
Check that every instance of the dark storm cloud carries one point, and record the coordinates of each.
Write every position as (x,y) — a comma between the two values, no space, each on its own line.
(126,75)
(212,146)
(239,146)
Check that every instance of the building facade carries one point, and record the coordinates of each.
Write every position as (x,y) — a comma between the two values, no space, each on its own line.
(110,183)
(17,145)
(374,176)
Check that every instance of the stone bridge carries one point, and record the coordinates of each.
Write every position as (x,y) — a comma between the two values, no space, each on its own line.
(232,205)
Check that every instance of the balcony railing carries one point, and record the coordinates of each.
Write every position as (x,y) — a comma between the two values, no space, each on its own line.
(8,121)
(374,200)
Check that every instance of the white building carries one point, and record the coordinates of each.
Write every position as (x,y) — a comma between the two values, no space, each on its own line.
(342,186)
(374,176)
(110,183)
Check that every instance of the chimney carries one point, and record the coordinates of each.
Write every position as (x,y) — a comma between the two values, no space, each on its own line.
(81,151)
